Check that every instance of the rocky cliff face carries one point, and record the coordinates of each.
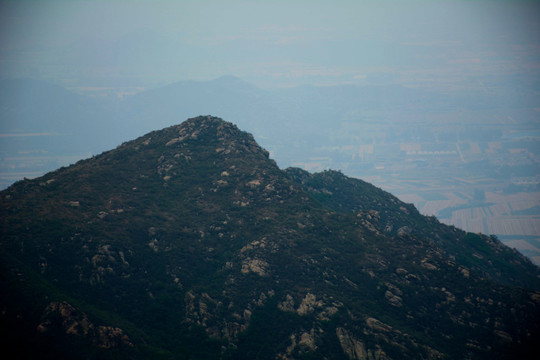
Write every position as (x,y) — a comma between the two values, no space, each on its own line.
(189,242)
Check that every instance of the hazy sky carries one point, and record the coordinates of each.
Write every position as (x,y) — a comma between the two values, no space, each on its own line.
(444,44)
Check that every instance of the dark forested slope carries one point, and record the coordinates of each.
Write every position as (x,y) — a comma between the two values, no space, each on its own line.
(189,242)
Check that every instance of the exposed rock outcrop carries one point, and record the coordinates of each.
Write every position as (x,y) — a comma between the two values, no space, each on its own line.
(74,322)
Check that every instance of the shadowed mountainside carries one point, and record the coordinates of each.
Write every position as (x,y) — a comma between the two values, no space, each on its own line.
(190,242)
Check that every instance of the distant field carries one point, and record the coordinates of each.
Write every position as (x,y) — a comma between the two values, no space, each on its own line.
(514,218)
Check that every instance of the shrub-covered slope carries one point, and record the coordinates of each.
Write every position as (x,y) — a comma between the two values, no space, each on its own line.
(190,243)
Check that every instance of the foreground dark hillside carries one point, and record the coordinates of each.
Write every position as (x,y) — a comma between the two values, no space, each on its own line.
(191,243)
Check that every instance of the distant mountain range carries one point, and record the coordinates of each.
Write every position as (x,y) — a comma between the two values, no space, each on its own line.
(84,125)
(38,116)
(191,243)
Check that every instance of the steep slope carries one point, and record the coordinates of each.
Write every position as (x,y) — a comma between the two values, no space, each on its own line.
(386,213)
(190,242)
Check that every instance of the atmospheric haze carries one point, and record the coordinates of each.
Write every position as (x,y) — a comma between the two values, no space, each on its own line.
(140,44)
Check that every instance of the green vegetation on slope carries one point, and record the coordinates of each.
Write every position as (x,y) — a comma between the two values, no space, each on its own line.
(190,242)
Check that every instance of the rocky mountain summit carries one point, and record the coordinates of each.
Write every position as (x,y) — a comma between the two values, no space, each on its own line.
(191,243)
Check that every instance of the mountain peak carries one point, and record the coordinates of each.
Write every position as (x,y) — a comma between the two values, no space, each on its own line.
(207,136)
(211,129)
